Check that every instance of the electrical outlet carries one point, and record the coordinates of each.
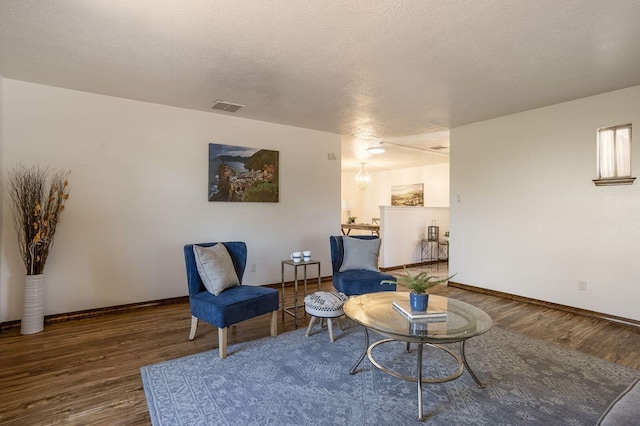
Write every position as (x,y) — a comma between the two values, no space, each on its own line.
(582,285)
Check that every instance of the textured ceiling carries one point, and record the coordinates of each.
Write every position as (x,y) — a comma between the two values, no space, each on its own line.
(387,70)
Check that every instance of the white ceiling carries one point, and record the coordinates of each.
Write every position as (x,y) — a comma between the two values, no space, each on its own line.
(402,72)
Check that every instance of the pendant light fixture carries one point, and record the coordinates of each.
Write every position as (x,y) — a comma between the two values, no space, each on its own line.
(363,179)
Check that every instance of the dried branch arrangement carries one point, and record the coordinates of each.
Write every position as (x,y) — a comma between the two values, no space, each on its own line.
(38,197)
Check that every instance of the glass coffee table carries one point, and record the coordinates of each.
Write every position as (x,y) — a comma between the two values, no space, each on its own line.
(463,321)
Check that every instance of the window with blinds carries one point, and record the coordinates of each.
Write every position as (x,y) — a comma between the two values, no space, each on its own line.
(614,156)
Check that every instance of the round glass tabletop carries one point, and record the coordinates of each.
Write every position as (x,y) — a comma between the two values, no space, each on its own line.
(376,312)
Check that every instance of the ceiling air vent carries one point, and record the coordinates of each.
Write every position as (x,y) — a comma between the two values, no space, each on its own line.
(226,106)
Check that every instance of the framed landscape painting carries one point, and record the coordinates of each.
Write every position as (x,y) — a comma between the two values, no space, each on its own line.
(407,195)
(238,173)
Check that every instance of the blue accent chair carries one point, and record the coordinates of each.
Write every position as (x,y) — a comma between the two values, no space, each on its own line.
(234,304)
(357,281)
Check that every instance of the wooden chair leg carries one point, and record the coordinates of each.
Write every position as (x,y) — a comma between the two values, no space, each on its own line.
(222,341)
(194,327)
(274,323)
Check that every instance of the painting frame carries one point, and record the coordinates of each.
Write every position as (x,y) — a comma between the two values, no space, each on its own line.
(411,195)
(243,174)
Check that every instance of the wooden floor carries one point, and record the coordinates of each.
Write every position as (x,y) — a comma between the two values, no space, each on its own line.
(86,372)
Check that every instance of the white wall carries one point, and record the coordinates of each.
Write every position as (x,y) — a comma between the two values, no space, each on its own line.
(353,196)
(404,228)
(531,222)
(1,177)
(139,193)
(366,203)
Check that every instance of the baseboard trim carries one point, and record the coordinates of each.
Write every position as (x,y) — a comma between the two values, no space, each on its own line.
(91,313)
(97,312)
(310,282)
(412,265)
(565,308)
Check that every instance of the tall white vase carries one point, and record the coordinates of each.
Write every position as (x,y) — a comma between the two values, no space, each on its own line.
(33,305)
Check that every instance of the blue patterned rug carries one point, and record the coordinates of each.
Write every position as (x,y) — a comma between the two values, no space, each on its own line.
(298,380)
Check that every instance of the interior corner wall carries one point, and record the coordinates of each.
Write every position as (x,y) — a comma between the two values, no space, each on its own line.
(139,193)
(527,219)
(351,194)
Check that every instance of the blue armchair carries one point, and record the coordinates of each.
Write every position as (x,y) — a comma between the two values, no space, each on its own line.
(356,281)
(233,305)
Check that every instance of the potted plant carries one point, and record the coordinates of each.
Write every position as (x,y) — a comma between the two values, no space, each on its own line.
(352,219)
(38,197)
(418,286)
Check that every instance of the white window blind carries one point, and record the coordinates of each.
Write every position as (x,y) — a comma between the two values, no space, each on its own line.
(614,155)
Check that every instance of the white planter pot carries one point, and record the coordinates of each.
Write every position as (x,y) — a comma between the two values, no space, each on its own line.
(33,305)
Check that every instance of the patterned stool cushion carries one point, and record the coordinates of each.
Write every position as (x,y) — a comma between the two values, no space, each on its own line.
(324,304)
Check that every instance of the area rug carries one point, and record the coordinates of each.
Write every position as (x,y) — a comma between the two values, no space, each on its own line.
(298,380)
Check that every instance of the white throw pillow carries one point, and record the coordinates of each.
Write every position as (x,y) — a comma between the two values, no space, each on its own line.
(215,268)
(360,254)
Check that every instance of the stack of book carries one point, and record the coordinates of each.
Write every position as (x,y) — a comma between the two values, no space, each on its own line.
(434,313)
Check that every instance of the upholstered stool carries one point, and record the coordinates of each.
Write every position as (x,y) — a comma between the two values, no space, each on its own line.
(324,305)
